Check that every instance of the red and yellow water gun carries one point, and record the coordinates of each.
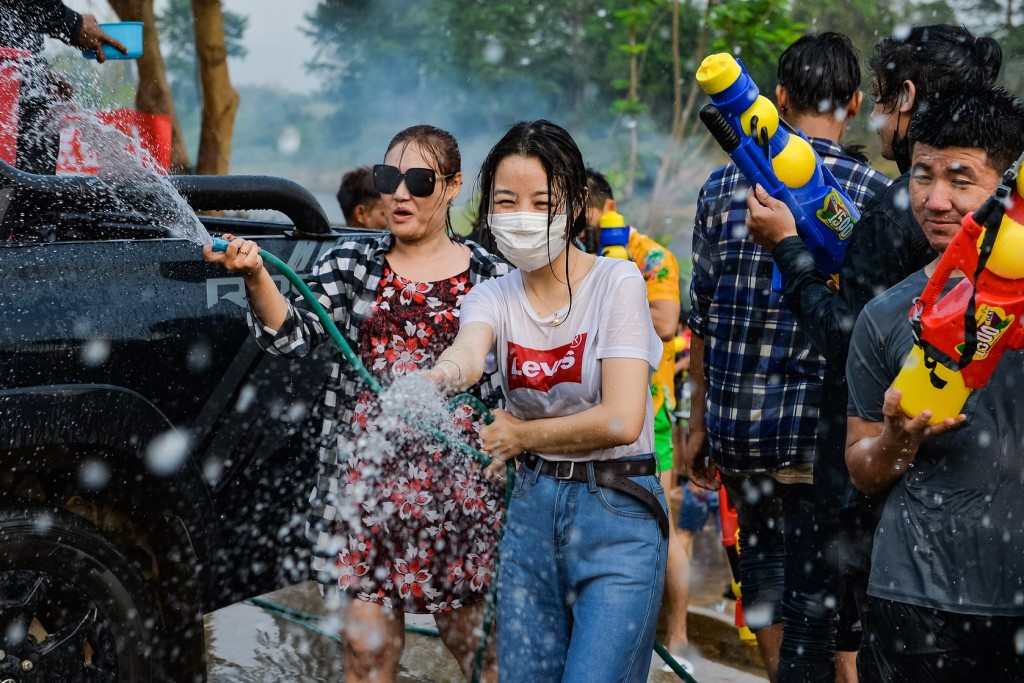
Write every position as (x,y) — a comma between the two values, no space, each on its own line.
(961,337)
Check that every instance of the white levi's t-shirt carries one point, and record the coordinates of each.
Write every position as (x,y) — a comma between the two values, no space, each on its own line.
(554,371)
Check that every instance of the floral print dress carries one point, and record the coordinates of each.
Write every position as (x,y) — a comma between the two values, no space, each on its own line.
(428,523)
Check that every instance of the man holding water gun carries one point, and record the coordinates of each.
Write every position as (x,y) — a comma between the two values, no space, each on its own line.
(909,72)
(946,601)
(758,389)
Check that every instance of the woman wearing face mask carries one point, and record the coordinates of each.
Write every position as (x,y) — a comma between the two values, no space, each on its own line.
(583,554)
(401,529)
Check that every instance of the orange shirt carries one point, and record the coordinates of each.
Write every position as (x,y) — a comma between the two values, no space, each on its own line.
(661,272)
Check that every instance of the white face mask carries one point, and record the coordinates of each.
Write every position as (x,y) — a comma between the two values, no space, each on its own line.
(524,239)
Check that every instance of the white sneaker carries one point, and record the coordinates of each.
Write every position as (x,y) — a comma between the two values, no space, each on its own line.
(683,662)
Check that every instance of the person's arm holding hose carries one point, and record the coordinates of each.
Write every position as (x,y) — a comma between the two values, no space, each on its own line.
(462,364)
(243,257)
(279,325)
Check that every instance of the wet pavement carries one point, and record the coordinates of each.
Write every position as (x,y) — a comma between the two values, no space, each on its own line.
(249,645)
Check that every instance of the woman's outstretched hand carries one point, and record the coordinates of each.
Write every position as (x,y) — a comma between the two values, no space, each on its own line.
(242,256)
(502,440)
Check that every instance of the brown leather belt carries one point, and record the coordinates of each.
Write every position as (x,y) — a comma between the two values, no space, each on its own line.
(610,474)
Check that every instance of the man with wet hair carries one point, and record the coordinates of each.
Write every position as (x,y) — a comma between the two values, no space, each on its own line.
(758,380)
(360,201)
(946,599)
(910,72)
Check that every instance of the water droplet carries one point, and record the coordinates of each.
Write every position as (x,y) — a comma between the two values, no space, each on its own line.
(95,352)
(213,468)
(901,200)
(199,357)
(94,474)
(167,452)
(759,615)
(289,141)
(494,51)
(245,398)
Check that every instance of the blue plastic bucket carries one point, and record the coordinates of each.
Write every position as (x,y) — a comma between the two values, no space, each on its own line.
(128,33)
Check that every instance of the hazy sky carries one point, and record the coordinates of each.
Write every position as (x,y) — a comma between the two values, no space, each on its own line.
(277,49)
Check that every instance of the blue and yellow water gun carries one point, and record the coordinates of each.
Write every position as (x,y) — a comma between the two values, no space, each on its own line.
(614,240)
(770,153)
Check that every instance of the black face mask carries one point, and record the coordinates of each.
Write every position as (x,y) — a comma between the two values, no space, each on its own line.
(900,147)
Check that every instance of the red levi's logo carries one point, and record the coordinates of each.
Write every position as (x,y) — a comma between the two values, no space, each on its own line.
(542,370)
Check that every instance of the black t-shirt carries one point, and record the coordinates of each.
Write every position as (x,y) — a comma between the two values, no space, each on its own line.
(887,246)
(951,535)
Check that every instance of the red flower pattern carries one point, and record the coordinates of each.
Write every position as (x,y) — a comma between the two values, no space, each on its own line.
(427,532)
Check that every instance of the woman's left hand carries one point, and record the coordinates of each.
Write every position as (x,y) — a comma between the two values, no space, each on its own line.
(501,440)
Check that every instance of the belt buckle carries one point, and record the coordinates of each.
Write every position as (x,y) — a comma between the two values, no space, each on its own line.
(558,469)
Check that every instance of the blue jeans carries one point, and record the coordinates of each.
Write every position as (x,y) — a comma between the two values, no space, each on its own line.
(582,571)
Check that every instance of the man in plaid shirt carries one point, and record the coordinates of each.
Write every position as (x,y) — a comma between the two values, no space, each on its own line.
(758,381)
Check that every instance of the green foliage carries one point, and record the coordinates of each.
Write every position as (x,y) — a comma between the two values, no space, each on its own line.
(477,66)
(756,31)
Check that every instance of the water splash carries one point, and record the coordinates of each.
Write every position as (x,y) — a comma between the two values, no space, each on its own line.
(131,174)
(127,174)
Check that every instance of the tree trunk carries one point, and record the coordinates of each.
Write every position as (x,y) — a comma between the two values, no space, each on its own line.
(154,93)
(1009,15)
(676,169)
(220,100)
(698,54)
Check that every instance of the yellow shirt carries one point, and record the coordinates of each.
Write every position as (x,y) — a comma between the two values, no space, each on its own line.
(661,271)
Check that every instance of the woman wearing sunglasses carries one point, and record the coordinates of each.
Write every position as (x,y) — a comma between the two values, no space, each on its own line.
(584,549)
(400,529)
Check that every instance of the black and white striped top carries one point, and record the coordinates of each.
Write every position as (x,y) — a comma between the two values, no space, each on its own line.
(345,282)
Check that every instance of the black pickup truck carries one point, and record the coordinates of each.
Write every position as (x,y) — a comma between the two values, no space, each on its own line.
(154,463)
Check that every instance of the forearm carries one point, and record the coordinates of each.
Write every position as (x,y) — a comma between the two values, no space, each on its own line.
(876,463)
(593,429)
(461,365)
(817,308)
(665,316)
(55,19)
(268,304)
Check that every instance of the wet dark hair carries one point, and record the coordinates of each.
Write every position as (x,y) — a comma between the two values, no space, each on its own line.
(599,187)
(356,188)
(440,147)
(937,58)
(820,72)
(562,161)
(991,120)
(563,165)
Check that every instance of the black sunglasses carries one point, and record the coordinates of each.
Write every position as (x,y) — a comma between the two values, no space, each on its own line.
(419,181)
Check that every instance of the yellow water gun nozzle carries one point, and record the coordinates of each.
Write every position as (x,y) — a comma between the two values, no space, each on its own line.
(612,219)
(717,72)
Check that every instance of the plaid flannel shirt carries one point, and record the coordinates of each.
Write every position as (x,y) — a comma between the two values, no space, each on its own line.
(345,281)
(764,379)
